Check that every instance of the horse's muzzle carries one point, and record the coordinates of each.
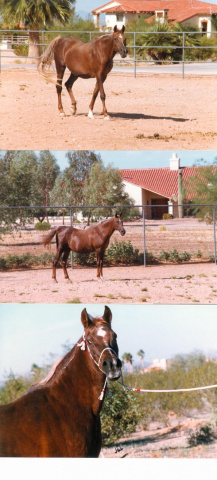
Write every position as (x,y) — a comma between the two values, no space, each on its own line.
(123,53)
(122,232)
(112,368)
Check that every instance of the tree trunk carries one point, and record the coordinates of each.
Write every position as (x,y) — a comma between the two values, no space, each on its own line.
(34,47)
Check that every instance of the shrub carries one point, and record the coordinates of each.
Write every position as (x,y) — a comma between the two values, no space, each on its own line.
(185,256)
(198,254)
(167,216)
(164,255)
(120,414)
(40,226)
(174,256)
(202,436)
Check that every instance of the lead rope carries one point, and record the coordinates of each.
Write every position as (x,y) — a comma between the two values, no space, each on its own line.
(130,389)
(83,346)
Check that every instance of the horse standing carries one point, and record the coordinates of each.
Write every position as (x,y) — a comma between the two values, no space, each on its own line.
(60,416)
(93,239)
(85,60)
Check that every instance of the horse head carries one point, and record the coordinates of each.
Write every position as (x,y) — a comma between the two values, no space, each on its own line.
(118,224)
(120,41)
(101,343)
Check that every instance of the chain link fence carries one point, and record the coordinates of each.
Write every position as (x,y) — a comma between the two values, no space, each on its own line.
(17,39)
(158,235)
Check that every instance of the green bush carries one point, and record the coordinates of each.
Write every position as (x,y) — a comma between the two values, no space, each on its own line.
(185,256)
(167,216)
(164,255)
(203,436)
(41,226)
(120,414)
(24,261)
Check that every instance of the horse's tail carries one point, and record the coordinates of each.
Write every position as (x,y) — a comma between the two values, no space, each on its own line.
(46,59)
(46,239)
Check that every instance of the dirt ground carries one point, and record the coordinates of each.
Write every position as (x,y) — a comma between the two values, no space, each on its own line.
(182,284)
(159,441)
(151,112)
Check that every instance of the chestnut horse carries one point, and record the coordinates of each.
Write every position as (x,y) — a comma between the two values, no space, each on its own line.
(85,60)
(93,239)
(60,416)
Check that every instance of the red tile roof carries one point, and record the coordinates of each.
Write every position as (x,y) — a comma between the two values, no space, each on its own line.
(178,10)
(162,181)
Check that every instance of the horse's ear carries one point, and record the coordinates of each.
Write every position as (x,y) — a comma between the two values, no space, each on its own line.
(85,319)
(120,215)
(115,28)
(123,29)
(116,215)
(107,315)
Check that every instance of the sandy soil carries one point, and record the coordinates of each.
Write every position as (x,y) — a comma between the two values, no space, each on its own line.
(152,112)
(185,283)
(159,441)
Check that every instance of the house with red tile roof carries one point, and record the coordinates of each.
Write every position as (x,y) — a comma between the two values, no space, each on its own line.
(119,12)
(160,187)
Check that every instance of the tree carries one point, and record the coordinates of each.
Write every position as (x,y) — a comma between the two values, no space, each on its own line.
(17,186)
(141,354)
(47,173)
(128,360)
(68,188)
(203,186)
(35,15)
(104,187)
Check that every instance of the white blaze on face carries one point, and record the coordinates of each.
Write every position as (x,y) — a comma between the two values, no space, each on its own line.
(101,332)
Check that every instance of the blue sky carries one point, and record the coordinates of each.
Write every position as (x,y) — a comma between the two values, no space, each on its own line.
(28,333)
(88,5)
(145,158)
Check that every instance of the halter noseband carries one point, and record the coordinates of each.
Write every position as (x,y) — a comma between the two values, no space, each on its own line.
(83,346)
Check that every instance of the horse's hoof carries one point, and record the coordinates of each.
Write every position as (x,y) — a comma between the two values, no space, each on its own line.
(62,114)
(68,280)
(102,279)
(54,280)
(90,115)
(73,111)
(107,117)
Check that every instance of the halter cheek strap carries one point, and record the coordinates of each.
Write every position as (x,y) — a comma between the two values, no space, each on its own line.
(83,346)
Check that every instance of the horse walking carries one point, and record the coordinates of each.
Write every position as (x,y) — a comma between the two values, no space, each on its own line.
(93,239)
(85,60)
(60,416)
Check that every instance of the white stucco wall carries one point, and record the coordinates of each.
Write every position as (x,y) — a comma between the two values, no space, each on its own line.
(197,22)
(134,191)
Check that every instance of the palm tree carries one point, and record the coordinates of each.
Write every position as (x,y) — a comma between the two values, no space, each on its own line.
(141,354)
(35,15)
(128,359)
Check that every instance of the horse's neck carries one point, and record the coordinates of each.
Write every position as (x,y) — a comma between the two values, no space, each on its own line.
(109,227)
(79,378)
(110,44)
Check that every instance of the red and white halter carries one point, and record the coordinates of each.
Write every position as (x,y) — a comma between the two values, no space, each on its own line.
(83,346)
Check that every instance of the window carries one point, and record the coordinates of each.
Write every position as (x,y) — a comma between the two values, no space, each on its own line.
(120,17)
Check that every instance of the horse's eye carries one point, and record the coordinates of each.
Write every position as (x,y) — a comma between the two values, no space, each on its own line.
(89,342)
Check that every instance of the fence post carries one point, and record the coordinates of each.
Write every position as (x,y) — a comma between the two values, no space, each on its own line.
(71,226)
(134,54)
(144,242)
(183,55)
(43,45)
(214,232)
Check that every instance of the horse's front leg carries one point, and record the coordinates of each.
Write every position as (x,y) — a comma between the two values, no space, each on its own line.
(95,93)
(100,256)
(60,73)
(103,97)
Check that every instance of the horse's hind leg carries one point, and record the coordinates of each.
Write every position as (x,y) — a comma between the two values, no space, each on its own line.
(60,72)
(71,80)
(59,252)
(64,262)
